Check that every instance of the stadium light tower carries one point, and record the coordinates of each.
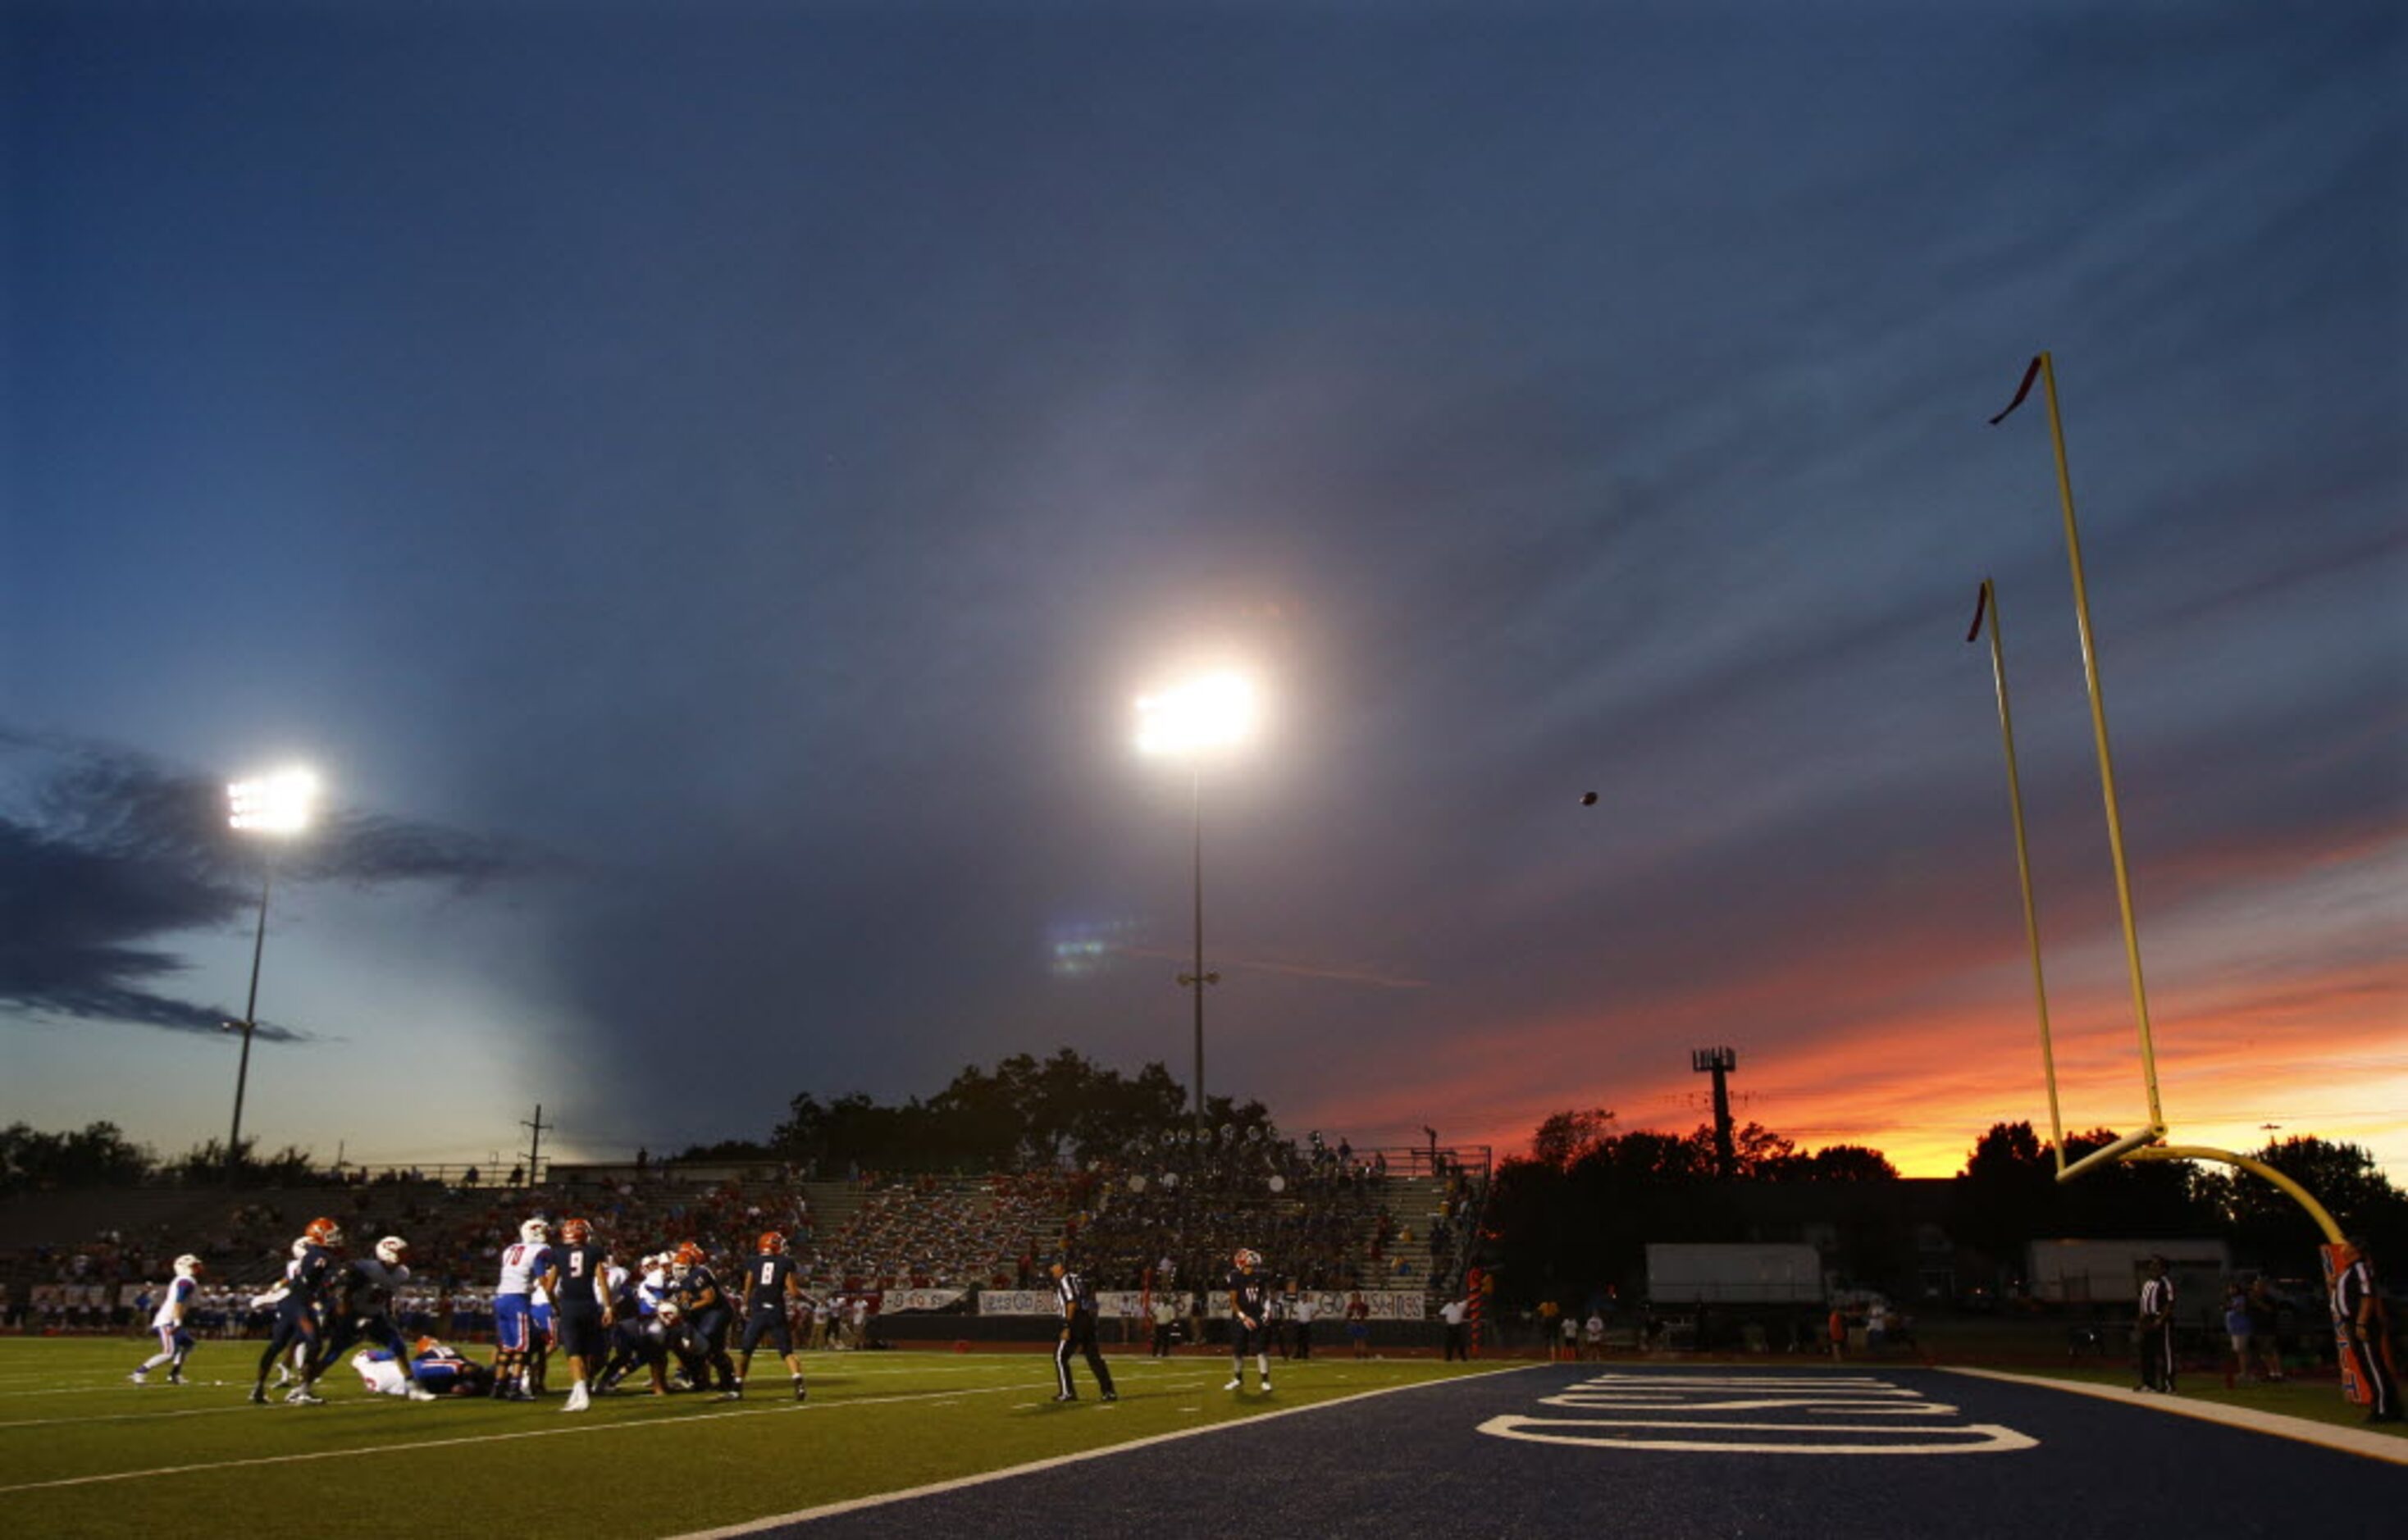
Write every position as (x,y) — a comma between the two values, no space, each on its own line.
(280,805)
(1191,721)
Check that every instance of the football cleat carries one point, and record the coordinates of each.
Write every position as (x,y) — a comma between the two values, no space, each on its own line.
(1233,1385)
(140,1376)
(259,1395)
(304,1397)
(575,1232)
(418,1393)
(324,1232)
(390,1249)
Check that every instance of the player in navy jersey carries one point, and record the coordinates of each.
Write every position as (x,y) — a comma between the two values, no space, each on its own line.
(360,1299)
(306,1281)
(168,1323)
(637,1335)
(575,1280)
(1078,1303)
(769,1284)
(707,1319)
(1250,1303)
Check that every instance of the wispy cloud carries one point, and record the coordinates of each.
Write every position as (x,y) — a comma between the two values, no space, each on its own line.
(105,853)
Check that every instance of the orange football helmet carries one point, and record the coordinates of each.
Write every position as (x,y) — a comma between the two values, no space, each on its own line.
(575,1231)
(689,1255)
(772,1244)
(324,1232)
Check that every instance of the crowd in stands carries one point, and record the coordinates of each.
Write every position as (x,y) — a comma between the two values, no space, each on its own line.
(1171,1210)
(935,1232)
(1176,1209)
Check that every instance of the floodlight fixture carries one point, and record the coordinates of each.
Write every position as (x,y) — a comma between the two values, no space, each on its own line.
(1214,711)
(280,804)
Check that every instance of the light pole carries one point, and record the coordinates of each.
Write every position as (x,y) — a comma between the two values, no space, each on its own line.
(1216,711)
(279,804)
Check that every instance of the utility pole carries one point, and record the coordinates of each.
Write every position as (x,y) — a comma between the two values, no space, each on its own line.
(534,1145)
(1719,1063)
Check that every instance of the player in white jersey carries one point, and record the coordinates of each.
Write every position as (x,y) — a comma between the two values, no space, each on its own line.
(174,1341)
(513,1317)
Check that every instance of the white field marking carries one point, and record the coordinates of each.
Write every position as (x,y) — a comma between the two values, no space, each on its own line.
(1768,1404)
(2331,1435)
(996,1363)
(1755,1387)
(791,1407)
(828,1510)
(344,1404)
(1837,1383)
(1993,1437)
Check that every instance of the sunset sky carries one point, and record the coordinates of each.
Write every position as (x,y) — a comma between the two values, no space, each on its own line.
(704,484)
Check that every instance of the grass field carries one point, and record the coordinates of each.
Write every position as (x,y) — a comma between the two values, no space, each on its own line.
(84,1453)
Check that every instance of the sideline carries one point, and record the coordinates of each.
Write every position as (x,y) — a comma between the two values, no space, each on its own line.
(2389,1447)
(855,1505)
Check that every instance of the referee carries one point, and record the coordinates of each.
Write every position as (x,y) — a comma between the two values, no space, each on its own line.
(1077,1333)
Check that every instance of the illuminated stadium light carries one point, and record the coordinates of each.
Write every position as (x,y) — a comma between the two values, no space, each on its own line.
(280,804)
(1210,712)
(1216,711)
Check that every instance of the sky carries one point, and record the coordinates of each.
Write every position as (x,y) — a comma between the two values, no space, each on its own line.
(705,483)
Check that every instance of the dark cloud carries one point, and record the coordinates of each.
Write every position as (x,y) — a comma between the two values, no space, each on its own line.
(108,853)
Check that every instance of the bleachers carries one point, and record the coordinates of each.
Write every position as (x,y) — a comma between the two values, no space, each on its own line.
(1357,1226)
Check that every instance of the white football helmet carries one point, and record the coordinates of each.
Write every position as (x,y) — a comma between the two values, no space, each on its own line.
(187,1265)
(390,1249)
(535,1231)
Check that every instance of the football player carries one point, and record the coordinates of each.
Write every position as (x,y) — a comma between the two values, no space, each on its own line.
(770,1283)
(513,1316)
(361,1300)
(1249,1313)
(435,1369)
(575,1279)
(636,1336)
(707,1318)
(174,1341)
(297,1309)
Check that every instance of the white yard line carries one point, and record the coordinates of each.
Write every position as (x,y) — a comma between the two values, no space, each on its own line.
(2332,1435)
(415,1445)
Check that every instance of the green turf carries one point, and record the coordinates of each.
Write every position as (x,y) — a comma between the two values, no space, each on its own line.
(198,1459)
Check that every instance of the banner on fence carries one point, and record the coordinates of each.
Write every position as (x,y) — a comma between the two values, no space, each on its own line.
(920,1299)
